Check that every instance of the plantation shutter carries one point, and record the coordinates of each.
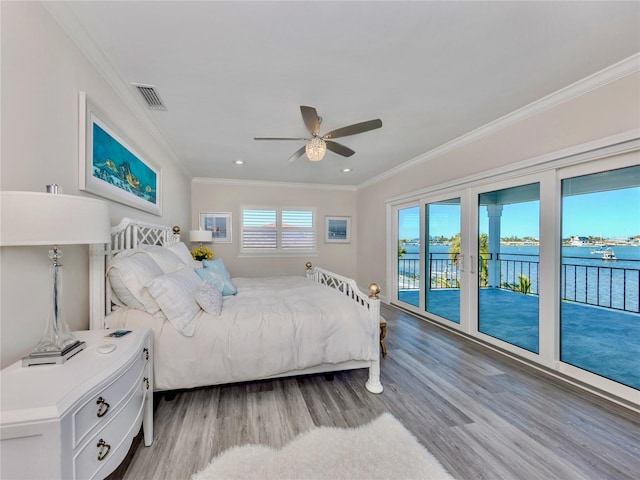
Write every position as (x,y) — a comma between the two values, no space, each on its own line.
(297,229)
(279,232)
(259,229)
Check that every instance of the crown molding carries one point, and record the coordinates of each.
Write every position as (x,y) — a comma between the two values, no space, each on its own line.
(614,72)
(68,21)
(587,152)
(265,183)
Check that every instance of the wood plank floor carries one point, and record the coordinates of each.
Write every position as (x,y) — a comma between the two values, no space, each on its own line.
(481,414)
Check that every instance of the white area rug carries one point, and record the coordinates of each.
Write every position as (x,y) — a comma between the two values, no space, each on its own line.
(383,449)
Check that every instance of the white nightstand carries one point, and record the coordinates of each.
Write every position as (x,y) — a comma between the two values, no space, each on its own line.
(77,420)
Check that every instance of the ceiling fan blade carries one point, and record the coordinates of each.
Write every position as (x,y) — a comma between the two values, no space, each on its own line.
(297,154)
(279,138)
(354,129)
(311,119)
(338,148)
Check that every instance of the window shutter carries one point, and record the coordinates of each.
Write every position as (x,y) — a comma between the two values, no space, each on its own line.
(297,229)
(278,231)
(259,229)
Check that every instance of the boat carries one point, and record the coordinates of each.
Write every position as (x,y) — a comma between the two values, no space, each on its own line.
(609,254)
(598,251)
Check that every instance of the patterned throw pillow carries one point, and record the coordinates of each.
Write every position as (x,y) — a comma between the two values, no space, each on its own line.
(210,299)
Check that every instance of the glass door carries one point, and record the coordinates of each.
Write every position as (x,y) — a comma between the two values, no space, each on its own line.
(507,269)
(408,258)
(443,258)
(600,274)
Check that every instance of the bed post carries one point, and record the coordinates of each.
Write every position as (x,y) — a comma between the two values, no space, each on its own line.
(373,383)
(309,267)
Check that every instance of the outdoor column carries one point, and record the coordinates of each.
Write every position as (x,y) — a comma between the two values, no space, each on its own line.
(495,214)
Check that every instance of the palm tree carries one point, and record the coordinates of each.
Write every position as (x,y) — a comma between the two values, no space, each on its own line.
(454,254)
(402,251)
(523,285)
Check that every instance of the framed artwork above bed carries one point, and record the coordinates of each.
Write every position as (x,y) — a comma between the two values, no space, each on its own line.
(337,230)
(111,167)
(219,224)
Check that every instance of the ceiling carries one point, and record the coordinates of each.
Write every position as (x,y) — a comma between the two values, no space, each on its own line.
(431,71)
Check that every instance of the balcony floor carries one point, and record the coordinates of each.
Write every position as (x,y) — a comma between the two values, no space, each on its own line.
(600,340)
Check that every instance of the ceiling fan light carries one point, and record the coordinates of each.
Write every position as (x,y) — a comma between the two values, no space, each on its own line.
(316,148)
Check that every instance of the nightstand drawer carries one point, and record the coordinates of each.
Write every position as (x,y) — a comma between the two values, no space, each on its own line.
(107,447)
(108,401)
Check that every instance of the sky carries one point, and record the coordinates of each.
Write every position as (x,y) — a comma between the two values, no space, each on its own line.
(609,214)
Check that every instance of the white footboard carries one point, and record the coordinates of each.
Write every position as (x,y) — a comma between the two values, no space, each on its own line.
(349,287)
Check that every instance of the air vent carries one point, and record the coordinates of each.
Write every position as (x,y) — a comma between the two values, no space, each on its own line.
(150,96)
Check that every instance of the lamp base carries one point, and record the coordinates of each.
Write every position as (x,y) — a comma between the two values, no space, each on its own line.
(54,357)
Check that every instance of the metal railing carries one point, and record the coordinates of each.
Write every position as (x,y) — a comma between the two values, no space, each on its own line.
(607,286)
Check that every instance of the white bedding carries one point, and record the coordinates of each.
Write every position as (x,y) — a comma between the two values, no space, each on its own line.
(273,325)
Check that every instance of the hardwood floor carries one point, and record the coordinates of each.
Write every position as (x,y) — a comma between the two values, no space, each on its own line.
(482,415)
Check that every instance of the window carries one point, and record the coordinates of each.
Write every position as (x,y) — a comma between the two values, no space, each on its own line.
(278,231)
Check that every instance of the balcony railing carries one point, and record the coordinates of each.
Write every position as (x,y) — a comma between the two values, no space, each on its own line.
(605,286)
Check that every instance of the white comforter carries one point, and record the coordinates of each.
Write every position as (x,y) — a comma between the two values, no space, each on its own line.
(273,325)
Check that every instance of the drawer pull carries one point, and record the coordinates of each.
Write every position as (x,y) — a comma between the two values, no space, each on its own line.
(104,407)
(146,382)
(104,449)
(146,353)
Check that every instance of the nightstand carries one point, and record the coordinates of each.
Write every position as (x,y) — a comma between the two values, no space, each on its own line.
(77,420)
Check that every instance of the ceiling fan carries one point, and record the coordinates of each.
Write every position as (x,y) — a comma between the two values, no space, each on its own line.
(317,145)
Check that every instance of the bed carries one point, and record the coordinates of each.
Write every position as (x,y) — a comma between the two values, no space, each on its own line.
(269,327)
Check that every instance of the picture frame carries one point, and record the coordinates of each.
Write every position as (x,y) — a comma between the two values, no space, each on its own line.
(337,229)
(219,224)
(111,167)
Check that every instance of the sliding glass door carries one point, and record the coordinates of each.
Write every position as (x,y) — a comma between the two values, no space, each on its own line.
(507,270)
(442,253)
(543,265)
(408,255)
(600,274)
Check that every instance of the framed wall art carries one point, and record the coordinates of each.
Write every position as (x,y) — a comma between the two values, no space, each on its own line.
(337,230)
(219,224)
(111,167)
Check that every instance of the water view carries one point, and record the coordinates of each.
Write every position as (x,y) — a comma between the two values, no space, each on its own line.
(587,277)
(600,303)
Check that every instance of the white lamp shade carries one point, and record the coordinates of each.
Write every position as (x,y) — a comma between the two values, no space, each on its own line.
(200,236)
(34,218)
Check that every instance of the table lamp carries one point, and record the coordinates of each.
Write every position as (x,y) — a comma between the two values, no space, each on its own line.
(202,236)
(33,218)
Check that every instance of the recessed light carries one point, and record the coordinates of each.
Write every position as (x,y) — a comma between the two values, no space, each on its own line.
(238,162)
(346,170)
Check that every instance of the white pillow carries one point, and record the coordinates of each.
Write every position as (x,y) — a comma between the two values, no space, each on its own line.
(175,293)
(210,299)
(128,272)
(167,260)
(183,253)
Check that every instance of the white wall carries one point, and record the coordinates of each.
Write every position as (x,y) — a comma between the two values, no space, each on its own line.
(212,196)
(42,73)
(602,112)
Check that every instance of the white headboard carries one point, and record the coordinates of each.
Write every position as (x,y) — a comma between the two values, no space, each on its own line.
(129,234)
